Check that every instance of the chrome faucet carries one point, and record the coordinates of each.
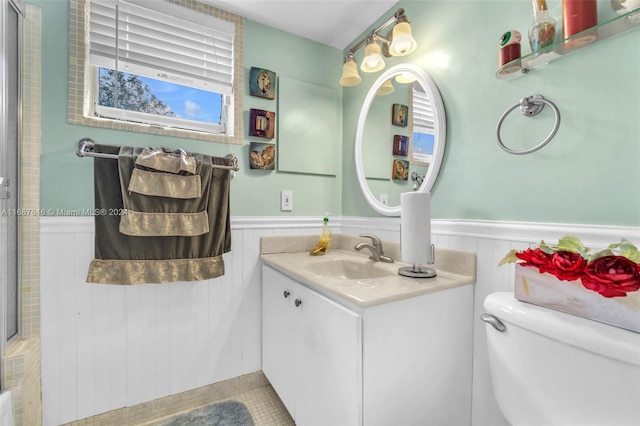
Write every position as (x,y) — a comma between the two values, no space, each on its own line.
(375,247)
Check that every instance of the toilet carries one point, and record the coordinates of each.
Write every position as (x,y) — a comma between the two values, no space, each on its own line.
(551,368)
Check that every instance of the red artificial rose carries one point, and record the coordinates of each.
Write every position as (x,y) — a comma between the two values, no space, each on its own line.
(612,276)
(534,257)
(565,265)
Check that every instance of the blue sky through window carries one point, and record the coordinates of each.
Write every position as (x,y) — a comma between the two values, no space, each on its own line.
(422,143)
(186,102)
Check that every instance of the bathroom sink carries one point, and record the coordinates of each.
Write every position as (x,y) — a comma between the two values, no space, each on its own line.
(344,274)
(351,269)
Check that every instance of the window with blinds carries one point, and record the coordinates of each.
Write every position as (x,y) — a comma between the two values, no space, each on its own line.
(161,64)
(423,126)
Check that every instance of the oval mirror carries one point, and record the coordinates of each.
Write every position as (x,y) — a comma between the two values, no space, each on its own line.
(414,114)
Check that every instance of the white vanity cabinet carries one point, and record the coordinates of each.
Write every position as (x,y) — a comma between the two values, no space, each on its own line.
(311,352)
(333,362)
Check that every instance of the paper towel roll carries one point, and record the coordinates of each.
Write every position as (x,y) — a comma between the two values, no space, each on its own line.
(415,227)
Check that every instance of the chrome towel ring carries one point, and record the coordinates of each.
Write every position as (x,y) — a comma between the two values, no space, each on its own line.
(530,106)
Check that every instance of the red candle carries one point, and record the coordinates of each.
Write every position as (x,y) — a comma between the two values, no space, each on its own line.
(509,53)
(577,16)
(509,48)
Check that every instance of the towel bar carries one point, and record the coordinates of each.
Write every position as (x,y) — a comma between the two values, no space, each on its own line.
(87,145)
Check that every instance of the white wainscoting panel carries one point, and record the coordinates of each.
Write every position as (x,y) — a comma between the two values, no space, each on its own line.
(105,347)
(491,241)
(108,346)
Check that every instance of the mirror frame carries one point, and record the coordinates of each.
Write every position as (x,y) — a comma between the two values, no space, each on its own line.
(439,141)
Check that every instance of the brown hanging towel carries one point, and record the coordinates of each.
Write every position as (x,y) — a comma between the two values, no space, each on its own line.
(135,259)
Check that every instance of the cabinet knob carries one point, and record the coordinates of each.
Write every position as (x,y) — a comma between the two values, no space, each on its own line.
(298,302)
(286,294)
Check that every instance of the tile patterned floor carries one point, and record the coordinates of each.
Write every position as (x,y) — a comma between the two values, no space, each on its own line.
(264,405)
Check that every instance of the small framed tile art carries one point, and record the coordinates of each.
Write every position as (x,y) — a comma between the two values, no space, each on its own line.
(400,145)
(400,169)
(399,115)
(262,123)
(262,83)
(262,156)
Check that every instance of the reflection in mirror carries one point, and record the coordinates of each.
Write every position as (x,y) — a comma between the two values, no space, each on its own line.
(388,147)
(422,127)
(396,155)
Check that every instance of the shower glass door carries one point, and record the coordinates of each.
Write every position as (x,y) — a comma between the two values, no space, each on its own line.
(10,115)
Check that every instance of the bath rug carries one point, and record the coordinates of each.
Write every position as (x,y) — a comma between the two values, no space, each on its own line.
(227,413)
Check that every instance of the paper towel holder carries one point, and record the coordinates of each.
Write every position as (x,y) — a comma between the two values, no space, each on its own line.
(418,271)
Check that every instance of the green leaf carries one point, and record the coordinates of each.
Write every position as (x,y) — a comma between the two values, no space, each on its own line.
(623,248)
(547,248)
(628,250)
(572,244)
(509,258)
(601,253)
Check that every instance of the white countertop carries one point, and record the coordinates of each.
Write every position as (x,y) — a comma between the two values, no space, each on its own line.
(454,268)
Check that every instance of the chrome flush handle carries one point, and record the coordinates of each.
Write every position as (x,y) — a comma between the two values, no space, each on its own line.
(494,321)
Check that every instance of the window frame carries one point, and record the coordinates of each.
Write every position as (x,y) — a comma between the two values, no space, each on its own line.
(83,81)
(416,158)
(113,113)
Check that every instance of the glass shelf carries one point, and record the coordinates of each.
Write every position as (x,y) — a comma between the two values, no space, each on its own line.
(604,30)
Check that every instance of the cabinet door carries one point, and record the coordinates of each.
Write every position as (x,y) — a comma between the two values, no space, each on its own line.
(279,328)
(311,352)
(330,365)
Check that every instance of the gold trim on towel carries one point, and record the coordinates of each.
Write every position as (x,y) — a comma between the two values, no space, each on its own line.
(154,271)
(142,224)
(172,162)
(165,184)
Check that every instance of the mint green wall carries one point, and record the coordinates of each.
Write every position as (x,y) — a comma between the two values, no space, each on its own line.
(67,181)
(589,173)
(302,60)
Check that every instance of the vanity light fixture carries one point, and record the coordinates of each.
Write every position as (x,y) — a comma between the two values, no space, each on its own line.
(350,76)
(372,61)
(386,89)
(405,78)
(402,42)
(398,42)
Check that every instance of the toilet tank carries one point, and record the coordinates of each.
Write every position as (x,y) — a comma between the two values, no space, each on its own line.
(552,368)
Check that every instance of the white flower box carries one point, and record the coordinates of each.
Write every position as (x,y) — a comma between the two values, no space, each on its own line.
(573,298)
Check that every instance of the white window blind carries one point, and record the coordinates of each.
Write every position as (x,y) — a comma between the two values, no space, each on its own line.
(423,119)
(160,40)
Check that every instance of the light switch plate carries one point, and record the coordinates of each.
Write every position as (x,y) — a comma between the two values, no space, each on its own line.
(286,201)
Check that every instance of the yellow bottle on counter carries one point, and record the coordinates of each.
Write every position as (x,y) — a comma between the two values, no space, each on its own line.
(325,240)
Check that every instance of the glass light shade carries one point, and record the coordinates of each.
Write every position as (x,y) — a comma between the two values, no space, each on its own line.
(405,78)
(350,76)
(402,42)
(372,61)
(386,89)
